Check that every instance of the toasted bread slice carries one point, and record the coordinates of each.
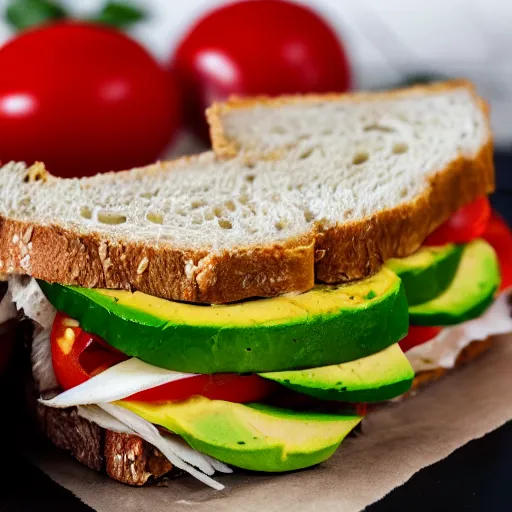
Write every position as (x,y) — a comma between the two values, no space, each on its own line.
(363,178)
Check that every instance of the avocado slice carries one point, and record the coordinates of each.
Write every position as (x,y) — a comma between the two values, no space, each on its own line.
(469,294)
(427,272)
(256,437)
(373,378)
(327,325)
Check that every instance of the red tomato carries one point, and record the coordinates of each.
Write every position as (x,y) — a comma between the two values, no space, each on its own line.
(418,335)
(498,234)
(267,47)
(222,386)
(466,224)
(83,99)
(77,356)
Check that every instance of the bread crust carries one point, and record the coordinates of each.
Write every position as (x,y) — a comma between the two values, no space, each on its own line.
(468,354)
(331,254)
(55,254)
(123,457)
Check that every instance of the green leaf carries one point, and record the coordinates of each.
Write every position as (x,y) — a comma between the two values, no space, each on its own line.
(22,14)
(119,14)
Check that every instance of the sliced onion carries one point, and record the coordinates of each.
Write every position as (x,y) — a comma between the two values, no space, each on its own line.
(443,350)
(118,382)
(176,450)
(105,420)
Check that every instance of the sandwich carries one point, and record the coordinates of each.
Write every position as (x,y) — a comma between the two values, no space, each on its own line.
(240,308)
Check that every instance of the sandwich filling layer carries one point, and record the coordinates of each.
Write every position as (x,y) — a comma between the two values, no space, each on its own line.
(269,384)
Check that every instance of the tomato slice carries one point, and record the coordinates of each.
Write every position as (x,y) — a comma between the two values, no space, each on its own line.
(466,224)
(418,335)
(222,386)
(498,234)
(78,355)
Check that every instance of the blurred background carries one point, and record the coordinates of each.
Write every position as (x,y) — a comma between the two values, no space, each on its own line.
(214,48)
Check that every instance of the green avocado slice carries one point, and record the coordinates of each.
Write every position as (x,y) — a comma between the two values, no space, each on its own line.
(469,294)
(373,378)
(256,437)
(427,272)
(327,325)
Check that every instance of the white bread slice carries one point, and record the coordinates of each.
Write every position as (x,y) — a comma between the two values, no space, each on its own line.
(213,229)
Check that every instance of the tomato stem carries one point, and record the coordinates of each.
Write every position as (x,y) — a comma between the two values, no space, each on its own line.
(23,14)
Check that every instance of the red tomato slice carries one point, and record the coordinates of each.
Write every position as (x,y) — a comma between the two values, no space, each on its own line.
(498,234)
(222,386)
(466,224)
(77,356)
(418,335)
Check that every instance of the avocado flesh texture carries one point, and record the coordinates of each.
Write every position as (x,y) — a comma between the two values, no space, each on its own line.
(256,437)
(373,378)
(470,293)
(327,325)
(427,272)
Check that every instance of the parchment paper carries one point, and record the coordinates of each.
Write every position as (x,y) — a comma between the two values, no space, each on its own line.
(397,441)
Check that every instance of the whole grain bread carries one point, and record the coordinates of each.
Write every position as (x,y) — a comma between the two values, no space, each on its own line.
(358,179)
(123,457)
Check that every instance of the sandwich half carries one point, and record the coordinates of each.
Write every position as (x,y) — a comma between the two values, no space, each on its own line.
(239,309)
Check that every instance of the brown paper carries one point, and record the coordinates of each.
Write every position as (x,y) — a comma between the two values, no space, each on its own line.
(398,440)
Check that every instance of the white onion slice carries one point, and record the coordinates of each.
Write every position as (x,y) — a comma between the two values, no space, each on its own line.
(179,453)
(176,445)
(105,420)
(118,382)
(443,350)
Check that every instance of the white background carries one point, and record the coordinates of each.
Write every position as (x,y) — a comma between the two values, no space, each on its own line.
(385,40)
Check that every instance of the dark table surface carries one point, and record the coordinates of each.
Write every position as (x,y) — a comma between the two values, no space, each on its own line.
(476,477)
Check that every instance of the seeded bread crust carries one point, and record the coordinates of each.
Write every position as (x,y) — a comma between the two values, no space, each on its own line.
(92,261)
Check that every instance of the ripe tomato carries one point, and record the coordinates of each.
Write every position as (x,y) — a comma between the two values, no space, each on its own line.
(466,224)
(83,99)
(252,47)
(418,335)
(498,234)
(77,356)
(222,386)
